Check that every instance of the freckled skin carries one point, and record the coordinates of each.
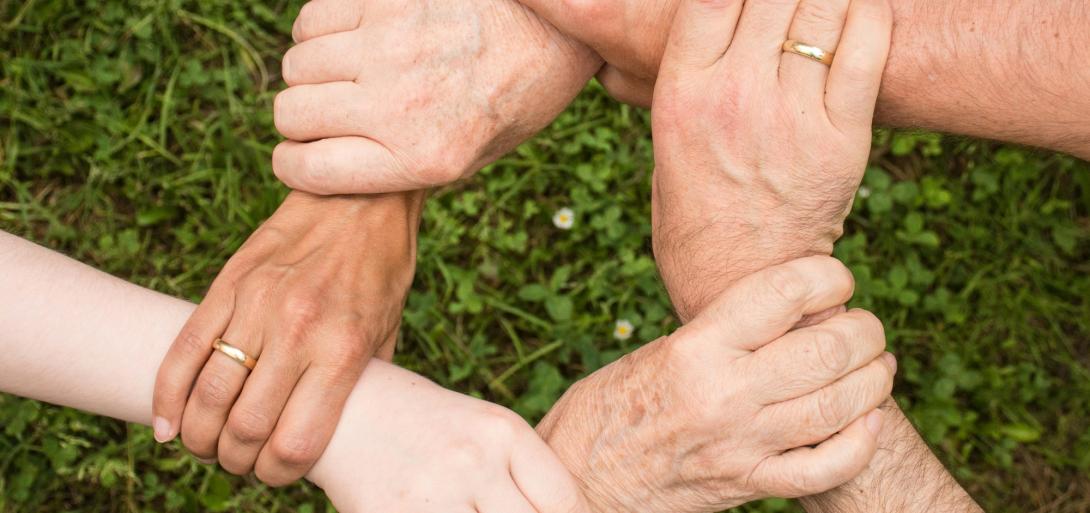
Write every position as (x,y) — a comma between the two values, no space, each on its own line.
(448,87)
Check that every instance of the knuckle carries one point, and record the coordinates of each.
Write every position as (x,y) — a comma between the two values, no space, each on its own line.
(294,451)
(802,482)
(190,344)
(869,328)
(829,412)
(820,14)
(465,454)
(883,383)
(249,426)
(501,424)
(314,166)
(876,327)
(197,447)
(831,353)
(214,391)
(443,167)
(348,353)
(787,284)
(300,311)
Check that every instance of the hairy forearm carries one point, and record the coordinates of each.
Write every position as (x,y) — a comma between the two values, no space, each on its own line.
(904,477)
(1011,70)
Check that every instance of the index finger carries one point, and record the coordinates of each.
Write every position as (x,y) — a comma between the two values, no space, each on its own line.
(764,305)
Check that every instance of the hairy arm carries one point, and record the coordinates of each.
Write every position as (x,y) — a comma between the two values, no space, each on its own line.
(739,184)
(903,477)
(1011,70)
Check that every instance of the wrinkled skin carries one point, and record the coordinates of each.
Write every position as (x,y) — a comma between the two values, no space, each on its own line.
(755,168)
(630,35)
(724,410)
(313,294)
(393,96)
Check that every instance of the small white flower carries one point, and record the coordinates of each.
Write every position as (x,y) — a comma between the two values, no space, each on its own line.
(564,218)
(623,330)
(864,192)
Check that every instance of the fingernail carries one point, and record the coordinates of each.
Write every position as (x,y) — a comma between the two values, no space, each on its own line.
(891,361)
(208,461)
(163,432)
(874,421)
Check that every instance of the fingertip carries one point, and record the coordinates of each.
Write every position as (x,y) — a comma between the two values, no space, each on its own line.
(891,362)
(163,430)
(284,163)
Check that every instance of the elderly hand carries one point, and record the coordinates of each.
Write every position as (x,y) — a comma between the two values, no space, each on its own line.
(394,96)
(406,445)
(629,34)
(726,409)
(313,294)
(758,151)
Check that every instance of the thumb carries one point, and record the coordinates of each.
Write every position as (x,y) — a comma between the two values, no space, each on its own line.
(702,32)
(767,304)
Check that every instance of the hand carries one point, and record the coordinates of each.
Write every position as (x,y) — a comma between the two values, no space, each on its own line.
(629,34)
(724,410)
(759,167)
(395,96)
(313,294)
(407,445)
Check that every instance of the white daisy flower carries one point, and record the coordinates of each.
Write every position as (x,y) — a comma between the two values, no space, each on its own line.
(864,192)
(623,330)
(564,218)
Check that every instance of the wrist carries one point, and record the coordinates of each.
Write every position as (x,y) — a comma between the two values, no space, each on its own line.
(704,245)
(904,477)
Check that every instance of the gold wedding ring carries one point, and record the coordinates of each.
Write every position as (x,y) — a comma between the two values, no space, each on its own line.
(808,51)
(234,353)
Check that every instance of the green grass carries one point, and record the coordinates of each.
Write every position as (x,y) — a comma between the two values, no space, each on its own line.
(136,136)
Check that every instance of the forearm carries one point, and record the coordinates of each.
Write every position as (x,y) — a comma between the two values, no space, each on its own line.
(1011,70)
(77,337)
(904,477)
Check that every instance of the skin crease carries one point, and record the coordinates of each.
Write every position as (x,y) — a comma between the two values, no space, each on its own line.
(324,169)
(466,82)
(395,448)
(314,52)
(954,66)
(801,197)
(102,357)
(488,89)
(702,425)
(313,294)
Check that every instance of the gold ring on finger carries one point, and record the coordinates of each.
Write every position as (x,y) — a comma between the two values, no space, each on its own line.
(235,353)
(809,51)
